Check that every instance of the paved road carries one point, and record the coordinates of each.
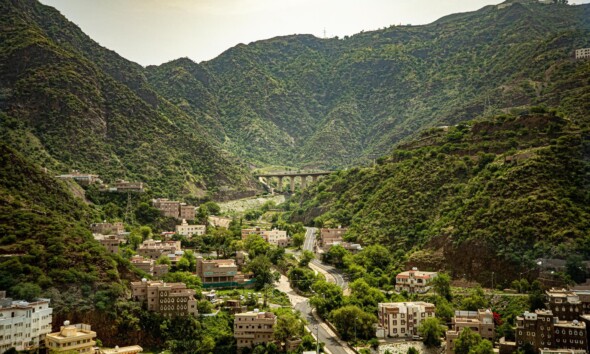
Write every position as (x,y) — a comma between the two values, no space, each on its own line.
(339,278)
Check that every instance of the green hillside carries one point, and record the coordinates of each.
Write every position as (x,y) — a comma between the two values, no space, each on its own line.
(487,196)
(85,107)
(307,101)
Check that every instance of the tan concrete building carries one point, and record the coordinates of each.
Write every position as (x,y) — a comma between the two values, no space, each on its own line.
(133,349)
(275,237)
(149,266)
(414,281)
(186,212)
(185,229)
(168,299)
(255,231)
(480,322)
(330,236)
(110,242)
(23,325)
(583,53)
(253,328)
(402,319)
(107,228)
(564,304)
(543,330)
(167,207)
(84,179)
(216,270)
(71,338)
(123,186)
(154,249)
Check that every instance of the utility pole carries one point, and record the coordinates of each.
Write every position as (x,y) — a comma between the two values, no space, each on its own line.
(317,338)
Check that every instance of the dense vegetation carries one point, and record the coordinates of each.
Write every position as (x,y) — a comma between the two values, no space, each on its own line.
(67,102)
(471,200)
(328,102)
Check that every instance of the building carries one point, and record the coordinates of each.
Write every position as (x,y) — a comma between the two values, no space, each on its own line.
(107,228)
(84,179)
(123,186)
(110,242)
(168,299)
(583,53)
(216,270)
(253,328)
(402,319)
(414,281)
(149,266)
(234,306)
(23,325)
(480,322)
(543,330)
(71,338)
(133,349)
(153,249)
(167,207)
(275,237)
(255,231)
(564,304)
(187,212)
(330,236)
(185,229)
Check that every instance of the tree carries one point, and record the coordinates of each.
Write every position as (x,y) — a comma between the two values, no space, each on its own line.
(212,207)
(431,331)
(483,347)
(444,309)
(476,300)
(192,281)
(204,306)
(298,240)
(575,268)
(442,286)
(146,214)
(352,322)
(466,341)
(183,264)
(336,254)
(145,232)
(261,267)
(412,350)
(164,260)
(288,326)
(26,291)
(328,296)
(307,257)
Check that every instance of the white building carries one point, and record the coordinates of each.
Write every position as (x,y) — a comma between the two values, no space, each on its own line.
(414,281)
(23,325)
(185,229)
(583,53)
(275,237)
(402,319)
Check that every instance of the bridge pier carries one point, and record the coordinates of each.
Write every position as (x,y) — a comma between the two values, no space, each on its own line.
(292,184)
(303,182)
(280,189)
(314,179)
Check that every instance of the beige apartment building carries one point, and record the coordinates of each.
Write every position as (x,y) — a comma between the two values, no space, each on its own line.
(565,304)
(72,338)
(153,249)
(414,281)
(216,270)
(186,212)
(107,228)
(84,179)
(255,231)
(330,236)
(168,299)
(23,325)
(275,237)
(253,328)
(583,53)
(169,208)
(402,319)
(110,242)
(149,266)
(480,322)
(123,186)
(132,349)
(542,330)
(185,229)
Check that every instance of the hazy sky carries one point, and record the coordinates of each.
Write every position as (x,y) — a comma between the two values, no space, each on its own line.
(157,31)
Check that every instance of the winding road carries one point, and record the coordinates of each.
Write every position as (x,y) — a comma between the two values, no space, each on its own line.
(339,278)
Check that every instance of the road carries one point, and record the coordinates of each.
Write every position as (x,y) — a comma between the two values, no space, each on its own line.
(339,278)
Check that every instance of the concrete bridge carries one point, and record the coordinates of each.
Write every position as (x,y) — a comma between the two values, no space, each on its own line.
(292,175)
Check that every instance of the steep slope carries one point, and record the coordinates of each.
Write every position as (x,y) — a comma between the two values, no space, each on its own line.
(309,101)
(488,196)
(90,109)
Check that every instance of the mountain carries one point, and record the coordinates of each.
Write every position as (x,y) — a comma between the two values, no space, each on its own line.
(67,102)
(314,102)
(490,195)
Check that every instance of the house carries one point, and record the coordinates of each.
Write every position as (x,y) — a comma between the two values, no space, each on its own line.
(221,273)
(153,249)
(123,186)
(255,231)
(71,338)
(583,53)
(253,328)
(107,228)
(234,306)
(564,304)
(185,229)
(167,207)
(133,349)
(168,299)
(330,236)
(275,237)
(149,266)
(110,242)
(414,281)
(84,179)
(542,330)
(23,325)
(186,212)
(480,322)
(402,319)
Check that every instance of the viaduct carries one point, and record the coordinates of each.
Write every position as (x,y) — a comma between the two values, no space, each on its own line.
(302,175)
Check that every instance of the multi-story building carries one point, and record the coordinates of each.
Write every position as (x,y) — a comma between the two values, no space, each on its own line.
(414,281)
(255,231)
(330,236)
(564,304)
(23,325)
(169,208)
(149,266)
(132,349)
(110,242)
(583,53)
(123,186)
(107,228)
(480,322)
(78,338)
(168,299)
(542,329)
(253,328)
(185,229)
(84,179)
(216,270)
(402,319)
(186,212)
(154,249)
(275,237)
(234,306)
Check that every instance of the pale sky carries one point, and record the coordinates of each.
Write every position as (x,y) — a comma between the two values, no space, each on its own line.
(157,31)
